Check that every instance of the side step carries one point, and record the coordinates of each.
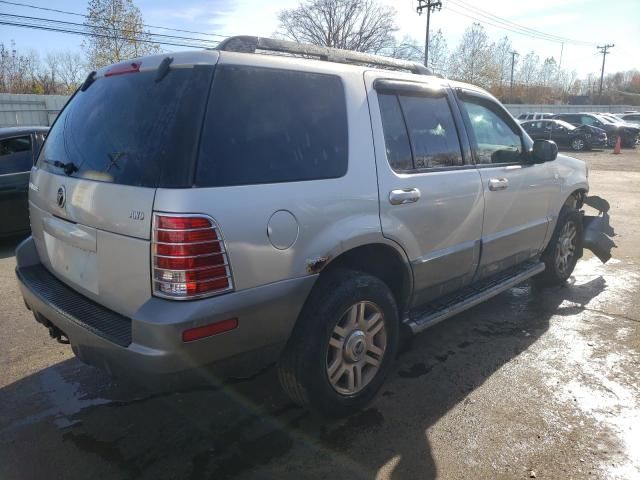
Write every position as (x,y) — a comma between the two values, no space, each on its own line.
(459,301)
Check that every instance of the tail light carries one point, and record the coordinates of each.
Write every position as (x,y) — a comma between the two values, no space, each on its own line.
(188,258)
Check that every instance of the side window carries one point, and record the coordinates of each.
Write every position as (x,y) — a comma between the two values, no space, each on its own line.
(586,120)
(432,132)
(268,126)
(395,133)
(497,142)
(419,132)
(15,155)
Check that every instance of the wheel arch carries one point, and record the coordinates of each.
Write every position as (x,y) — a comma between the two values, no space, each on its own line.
(382,259)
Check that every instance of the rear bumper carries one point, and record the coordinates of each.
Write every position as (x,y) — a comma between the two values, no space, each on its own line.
(149,345)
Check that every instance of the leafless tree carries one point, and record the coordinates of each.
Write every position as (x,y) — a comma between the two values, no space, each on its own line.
(406,49)
(529,67)
(438,53)
(471,61)
(16,69)
(501,62)
(360,25)
(117,33)
(71,69)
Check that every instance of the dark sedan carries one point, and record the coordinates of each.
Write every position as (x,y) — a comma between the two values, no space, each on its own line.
(565,134)
(628,134)
(19,147)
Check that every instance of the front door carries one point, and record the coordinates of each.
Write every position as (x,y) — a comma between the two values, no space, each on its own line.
(516,192)
(430,193)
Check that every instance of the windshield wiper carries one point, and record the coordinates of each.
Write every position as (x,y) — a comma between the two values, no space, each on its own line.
(69,168)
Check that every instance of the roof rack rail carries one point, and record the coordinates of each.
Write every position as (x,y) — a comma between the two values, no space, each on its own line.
(249,44)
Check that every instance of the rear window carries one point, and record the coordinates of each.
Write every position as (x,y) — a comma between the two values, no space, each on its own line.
(269,126)
(131,129)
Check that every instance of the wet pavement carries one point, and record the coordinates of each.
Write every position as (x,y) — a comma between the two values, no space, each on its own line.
(535,382)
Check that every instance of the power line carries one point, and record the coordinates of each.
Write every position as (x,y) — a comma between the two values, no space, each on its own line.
(49,21)
(505,25)
(65,12)
(504,21)
(90,34)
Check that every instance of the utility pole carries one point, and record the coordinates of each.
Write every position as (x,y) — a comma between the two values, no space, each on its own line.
(604,50)
(429,5)
(513,62)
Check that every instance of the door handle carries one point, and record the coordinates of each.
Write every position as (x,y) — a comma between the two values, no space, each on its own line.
(498,184)
(404,196)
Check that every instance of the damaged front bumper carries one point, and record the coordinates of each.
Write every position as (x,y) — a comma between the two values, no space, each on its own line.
(597,231)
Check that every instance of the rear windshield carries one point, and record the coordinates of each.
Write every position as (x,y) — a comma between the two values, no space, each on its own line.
(269,126)
(131,129)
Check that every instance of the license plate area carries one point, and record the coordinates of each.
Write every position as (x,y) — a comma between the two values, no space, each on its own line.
(77,266)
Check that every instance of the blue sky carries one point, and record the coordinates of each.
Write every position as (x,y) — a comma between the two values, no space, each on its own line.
(585,20)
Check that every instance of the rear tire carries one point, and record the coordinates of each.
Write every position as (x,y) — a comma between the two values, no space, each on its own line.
(564,249)
(343,344)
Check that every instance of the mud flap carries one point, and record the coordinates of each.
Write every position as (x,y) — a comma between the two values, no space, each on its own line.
(597,230)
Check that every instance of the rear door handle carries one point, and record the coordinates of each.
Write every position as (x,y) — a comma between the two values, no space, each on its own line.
(404,196)
(498,184)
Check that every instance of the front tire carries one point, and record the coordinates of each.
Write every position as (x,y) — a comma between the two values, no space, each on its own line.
(578,144)
(564,249)
(343,345)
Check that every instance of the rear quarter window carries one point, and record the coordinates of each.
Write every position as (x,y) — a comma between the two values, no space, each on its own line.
(270,126)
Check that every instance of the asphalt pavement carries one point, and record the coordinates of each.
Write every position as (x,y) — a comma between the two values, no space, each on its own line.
(535,383)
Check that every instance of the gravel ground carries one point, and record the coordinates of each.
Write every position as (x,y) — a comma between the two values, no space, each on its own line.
(536,382)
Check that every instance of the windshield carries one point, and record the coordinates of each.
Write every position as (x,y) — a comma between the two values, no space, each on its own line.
(131,129)
(604,119)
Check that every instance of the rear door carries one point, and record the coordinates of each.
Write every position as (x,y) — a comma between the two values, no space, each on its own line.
(133,129)
(430,193)
(516,192)
(16,161)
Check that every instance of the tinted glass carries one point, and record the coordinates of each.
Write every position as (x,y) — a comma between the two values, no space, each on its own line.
(266,126)
(130,129)
(15,155)
(432,133)
(395,133)
(587,120)
(496,141)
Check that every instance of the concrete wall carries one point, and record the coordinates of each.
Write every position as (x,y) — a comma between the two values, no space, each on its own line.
(18,109)
(516,109)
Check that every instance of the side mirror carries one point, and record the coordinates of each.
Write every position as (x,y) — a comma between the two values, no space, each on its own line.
(544,151)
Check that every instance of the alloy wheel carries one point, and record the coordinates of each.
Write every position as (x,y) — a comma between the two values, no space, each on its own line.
(356,348)
(566,247)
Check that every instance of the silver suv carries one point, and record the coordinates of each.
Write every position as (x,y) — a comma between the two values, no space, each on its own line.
(215,212)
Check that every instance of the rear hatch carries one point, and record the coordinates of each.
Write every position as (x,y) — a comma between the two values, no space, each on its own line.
(132,129)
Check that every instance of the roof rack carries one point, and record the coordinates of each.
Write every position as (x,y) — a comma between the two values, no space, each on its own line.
(249,44)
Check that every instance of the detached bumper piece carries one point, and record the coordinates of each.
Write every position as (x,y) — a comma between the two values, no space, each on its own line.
(76,307)
(597,231)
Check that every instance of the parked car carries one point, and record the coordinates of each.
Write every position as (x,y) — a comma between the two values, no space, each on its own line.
(631,118)
(288,209)
(565,134)
(628,134)
(18,149)
(533,116)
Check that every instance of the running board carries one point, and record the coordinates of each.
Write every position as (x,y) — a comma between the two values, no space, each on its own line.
(470,296)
